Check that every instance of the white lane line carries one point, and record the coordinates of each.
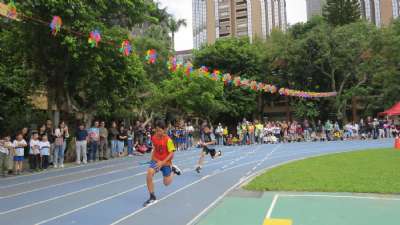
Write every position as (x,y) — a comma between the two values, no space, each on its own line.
(93,203)
(83,171)
(68,182)
(110,162)
(271,208)
(62,175)
(73,181)
(342,196)
(241,180)
(85,189)
(69,194)
(180,189)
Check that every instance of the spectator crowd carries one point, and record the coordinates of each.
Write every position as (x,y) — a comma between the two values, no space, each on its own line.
(46,146)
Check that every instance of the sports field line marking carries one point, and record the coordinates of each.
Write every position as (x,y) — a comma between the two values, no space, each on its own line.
(341,196)
(62,175)
(68,182)
(86,189)
(81,179)
(194,155)
(181,189)
(241,180)
(69,194)
(110,161)
(93,203)
(272,206)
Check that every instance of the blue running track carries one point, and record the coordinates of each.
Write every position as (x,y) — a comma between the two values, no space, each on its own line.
(112,192)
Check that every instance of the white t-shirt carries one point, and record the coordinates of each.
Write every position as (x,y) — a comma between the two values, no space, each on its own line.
(19,151)
(44,148)
(34,147)
(3,148)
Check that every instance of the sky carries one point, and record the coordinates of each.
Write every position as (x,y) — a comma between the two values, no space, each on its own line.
(182,9)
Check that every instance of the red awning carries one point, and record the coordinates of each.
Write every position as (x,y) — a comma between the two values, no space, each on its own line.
(394,111)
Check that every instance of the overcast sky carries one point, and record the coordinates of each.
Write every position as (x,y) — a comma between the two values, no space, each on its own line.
(296,12)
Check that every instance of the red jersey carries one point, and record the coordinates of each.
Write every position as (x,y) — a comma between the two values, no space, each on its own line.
(162,147)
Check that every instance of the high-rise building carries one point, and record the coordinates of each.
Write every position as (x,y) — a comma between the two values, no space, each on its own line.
(378,12)
(213,19)
(314,7)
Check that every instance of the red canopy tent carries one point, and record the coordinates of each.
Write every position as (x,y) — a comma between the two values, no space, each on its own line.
(394,111)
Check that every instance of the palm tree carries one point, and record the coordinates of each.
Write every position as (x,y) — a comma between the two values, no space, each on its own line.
(174,26)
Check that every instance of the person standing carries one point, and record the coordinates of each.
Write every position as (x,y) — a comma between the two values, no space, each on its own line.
(114,138)
(131,137)
(189,134)
(50,136)
(103,148)
(94,137)
(161,160)
(259,131)
(219,134)
(122,137)
(34,152)
(81,137)
(5,148)
(307,130)
(19,145)
(61,133)
(44,152)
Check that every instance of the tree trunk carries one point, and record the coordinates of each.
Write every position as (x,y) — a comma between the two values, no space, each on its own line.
(173,41)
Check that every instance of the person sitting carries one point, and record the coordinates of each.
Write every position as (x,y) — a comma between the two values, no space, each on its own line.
(229,140)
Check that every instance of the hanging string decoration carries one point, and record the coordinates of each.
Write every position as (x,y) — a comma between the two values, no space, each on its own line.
(55,25)
(237,82)
(151,56)
(94,38)
(11,10)
(172,64)
(227,79)
(215,75)
(188,68)
(305,94)
(126,48)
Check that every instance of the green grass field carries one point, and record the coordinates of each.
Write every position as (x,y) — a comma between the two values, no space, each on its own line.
(370,171)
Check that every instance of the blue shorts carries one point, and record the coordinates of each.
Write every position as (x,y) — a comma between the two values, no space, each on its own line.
(18,158)
(166,170)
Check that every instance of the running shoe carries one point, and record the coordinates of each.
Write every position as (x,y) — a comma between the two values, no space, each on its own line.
(176,170)
(151,201)
(198,169)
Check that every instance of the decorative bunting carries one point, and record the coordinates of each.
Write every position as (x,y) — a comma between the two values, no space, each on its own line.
(172,65)
(151,56)
(94,38)
(55,25)
(188,68)
(126,48)
(11,10)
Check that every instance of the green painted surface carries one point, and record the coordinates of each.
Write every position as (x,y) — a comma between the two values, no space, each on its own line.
(238,211)
(305,210)
(337,211)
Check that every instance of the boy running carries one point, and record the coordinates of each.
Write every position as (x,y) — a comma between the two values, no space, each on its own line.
(161,160)
(208,140)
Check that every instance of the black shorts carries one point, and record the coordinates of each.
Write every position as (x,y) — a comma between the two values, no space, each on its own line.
(210,151)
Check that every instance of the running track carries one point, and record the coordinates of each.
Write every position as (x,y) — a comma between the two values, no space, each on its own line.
(112,192)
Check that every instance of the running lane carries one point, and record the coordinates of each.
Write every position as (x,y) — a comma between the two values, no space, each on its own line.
(113,192)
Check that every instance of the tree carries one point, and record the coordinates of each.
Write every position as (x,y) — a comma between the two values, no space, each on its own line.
(238,57)
(190,96)
(76,77)
(174,26)
(341,12)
